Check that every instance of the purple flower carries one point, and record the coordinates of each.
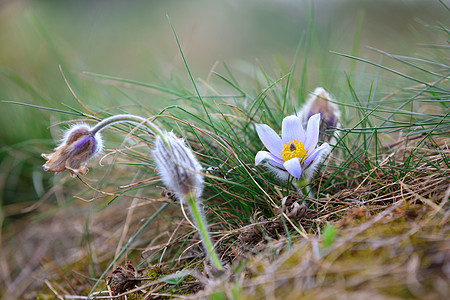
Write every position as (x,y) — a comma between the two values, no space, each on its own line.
(319,101)
(295,153)
(77,147)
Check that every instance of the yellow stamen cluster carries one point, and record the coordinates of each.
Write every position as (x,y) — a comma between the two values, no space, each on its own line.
(293,149)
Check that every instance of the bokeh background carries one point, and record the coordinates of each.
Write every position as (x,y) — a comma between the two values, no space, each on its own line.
(134,40)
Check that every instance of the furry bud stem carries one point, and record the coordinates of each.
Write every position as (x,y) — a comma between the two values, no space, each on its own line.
(181,172)
(126,118)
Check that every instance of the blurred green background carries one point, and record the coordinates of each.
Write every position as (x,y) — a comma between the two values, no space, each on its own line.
(133,40)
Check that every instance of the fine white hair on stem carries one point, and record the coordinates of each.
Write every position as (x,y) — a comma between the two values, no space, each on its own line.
(126,118)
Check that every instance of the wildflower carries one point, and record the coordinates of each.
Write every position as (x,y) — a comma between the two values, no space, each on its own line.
(81,143)
(295,153)
(180,172)
(321,102)
(77,147)
(178,167)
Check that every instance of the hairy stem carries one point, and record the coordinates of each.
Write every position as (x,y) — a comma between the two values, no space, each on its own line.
(202,227)
(302,186)
(127,118)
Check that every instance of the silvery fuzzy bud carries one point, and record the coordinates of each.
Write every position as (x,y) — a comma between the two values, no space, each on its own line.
(178,167)
(321,102)
(77,147)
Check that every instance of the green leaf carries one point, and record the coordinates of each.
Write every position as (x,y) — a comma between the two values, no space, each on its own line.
(174,280)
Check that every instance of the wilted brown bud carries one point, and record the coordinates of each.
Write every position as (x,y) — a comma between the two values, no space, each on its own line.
(77,147)
(124,278)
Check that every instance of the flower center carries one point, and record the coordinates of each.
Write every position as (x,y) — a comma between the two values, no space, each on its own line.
(293,149)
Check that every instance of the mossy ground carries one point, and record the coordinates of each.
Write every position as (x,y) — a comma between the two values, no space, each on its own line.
(388,255)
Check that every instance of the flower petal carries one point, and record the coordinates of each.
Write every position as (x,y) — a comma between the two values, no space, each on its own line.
(292,129)
(264,155)
(270,139)
(293,167)
(312,132)
(317,154)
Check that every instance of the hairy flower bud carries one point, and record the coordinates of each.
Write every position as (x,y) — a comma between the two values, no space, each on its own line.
(77,147)
(321,102)
(178,167)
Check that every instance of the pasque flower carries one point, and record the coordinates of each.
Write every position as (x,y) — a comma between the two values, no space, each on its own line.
(295,153)
(77,147)
(180,171)
(319,101)
(82,142)
(177,166)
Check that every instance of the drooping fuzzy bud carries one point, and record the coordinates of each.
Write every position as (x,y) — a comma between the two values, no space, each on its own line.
(320,102)
(178,167)
(77,147)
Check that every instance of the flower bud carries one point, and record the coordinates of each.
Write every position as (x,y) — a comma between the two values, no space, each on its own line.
(178,167)
(77,147)
(321,102)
